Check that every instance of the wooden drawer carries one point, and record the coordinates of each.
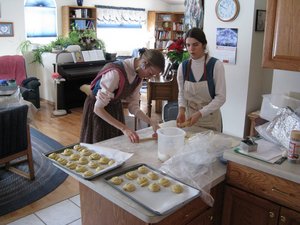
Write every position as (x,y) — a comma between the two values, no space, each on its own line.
(276,189)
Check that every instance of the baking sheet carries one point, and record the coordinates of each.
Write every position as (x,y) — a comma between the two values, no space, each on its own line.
(119,157)
(160,203)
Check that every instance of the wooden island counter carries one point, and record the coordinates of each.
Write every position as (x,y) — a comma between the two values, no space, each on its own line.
(102,204)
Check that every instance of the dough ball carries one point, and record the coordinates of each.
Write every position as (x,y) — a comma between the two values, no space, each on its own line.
(111,162)
(104,160)
(143,181)
(67,152)
(177,188)
(80,169)
(88,173)
(131,175)
(116,180)
(152,175)
(74,157)
(143,169)
(164,182)
(71,165)
(79,148)
(129,187)
(99,168)
(83,160)
(53,156)
(62,161)
(93,164)
(154,187)
(95,156)
(86,152)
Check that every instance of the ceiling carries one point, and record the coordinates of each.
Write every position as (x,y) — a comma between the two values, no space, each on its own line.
(175,2)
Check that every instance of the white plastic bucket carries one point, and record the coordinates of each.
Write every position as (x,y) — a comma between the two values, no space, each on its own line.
(170,141)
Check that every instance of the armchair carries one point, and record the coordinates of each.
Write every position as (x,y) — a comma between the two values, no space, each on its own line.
(15,140)
(12,67)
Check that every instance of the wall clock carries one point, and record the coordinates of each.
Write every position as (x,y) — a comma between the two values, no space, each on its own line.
(227,10)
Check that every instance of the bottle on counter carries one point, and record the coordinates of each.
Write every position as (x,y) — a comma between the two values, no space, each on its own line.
(294,147)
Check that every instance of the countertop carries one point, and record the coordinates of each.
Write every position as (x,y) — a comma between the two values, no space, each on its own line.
(286,170)
(145,152)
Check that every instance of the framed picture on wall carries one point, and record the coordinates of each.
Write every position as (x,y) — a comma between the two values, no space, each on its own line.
(6,29)
(260,20)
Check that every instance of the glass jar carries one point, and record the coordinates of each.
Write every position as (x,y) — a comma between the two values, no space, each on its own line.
(294,147)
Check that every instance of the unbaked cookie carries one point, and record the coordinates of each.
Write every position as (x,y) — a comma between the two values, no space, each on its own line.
(177,188)
(131,175)
(104,160)
(93,164)
(152,175)
(74,157)
(80,169)
(71,165)
(86,152)
(62,161)
(53,156)
(143,181)
(83,160)
(143,169)
(164,182)
(99,168)
(129,187)
(78,147)
(116,180)
(111,162)
(67,152)
(88,173)
(95,156)
(154,187)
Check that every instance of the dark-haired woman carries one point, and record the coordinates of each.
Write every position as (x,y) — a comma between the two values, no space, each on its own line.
(103,115)
(201,84)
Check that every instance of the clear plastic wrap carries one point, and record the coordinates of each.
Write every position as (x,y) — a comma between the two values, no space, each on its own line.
(193,165)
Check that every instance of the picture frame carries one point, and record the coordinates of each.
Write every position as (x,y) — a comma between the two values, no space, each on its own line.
(6,29)
(77,56)
(260,20)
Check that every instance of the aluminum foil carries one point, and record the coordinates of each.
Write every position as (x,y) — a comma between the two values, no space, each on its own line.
(282,125)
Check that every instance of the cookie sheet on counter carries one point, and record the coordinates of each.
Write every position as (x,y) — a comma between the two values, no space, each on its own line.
(118,156)
(161,202)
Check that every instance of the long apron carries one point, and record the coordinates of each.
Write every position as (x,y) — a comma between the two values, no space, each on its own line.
(197,96)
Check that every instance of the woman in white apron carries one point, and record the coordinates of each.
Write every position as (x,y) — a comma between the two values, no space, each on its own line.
(201,85)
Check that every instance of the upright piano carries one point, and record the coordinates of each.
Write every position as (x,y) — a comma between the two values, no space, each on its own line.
(75,74)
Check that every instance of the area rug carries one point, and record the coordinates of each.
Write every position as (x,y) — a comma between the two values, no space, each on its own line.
(16,191)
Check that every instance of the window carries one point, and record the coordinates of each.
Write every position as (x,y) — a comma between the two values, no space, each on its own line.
(125,22)
(40,21)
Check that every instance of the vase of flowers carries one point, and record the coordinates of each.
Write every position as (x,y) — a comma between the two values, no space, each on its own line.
(176,53)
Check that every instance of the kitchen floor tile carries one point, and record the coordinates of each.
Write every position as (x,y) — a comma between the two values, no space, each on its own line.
(76,200)
(77,222)
(61,213)
(28,220)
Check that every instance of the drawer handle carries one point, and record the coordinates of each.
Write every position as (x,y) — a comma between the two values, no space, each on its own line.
(279,191)
(283,219)
(271,214)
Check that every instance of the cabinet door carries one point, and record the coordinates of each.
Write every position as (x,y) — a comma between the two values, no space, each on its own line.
(282,40)
(289,217)
(204,219)
(243,208)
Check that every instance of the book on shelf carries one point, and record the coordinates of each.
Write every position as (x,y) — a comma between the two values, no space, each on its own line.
(80,24)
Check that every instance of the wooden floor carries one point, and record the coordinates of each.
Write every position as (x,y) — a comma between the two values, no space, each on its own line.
(65,130)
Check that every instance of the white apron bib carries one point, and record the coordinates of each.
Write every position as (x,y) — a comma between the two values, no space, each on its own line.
(197,96)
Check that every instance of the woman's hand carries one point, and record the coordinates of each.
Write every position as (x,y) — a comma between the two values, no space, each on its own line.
(195,117)
(132,135)
(180,118)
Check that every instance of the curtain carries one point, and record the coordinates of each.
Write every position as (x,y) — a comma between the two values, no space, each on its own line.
(120,17)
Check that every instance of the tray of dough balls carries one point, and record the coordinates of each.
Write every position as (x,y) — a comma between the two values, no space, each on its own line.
(151,188)
(88,160)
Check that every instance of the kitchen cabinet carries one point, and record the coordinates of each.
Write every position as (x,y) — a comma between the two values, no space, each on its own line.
(194,212)
(82,17)
(255,197)
(281,37)
(165,26)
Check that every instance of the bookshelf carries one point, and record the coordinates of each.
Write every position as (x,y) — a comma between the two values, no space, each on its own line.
(83,17)
(165,26)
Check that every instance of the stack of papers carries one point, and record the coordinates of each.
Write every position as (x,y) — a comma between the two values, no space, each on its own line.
(266,151)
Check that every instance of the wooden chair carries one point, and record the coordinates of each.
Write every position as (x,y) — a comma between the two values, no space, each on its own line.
(15,142)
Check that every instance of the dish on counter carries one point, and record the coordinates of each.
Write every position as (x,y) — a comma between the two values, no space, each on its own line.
(154,190)
(86,160)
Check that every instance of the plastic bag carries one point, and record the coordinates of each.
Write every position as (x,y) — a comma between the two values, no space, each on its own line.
(193,165)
